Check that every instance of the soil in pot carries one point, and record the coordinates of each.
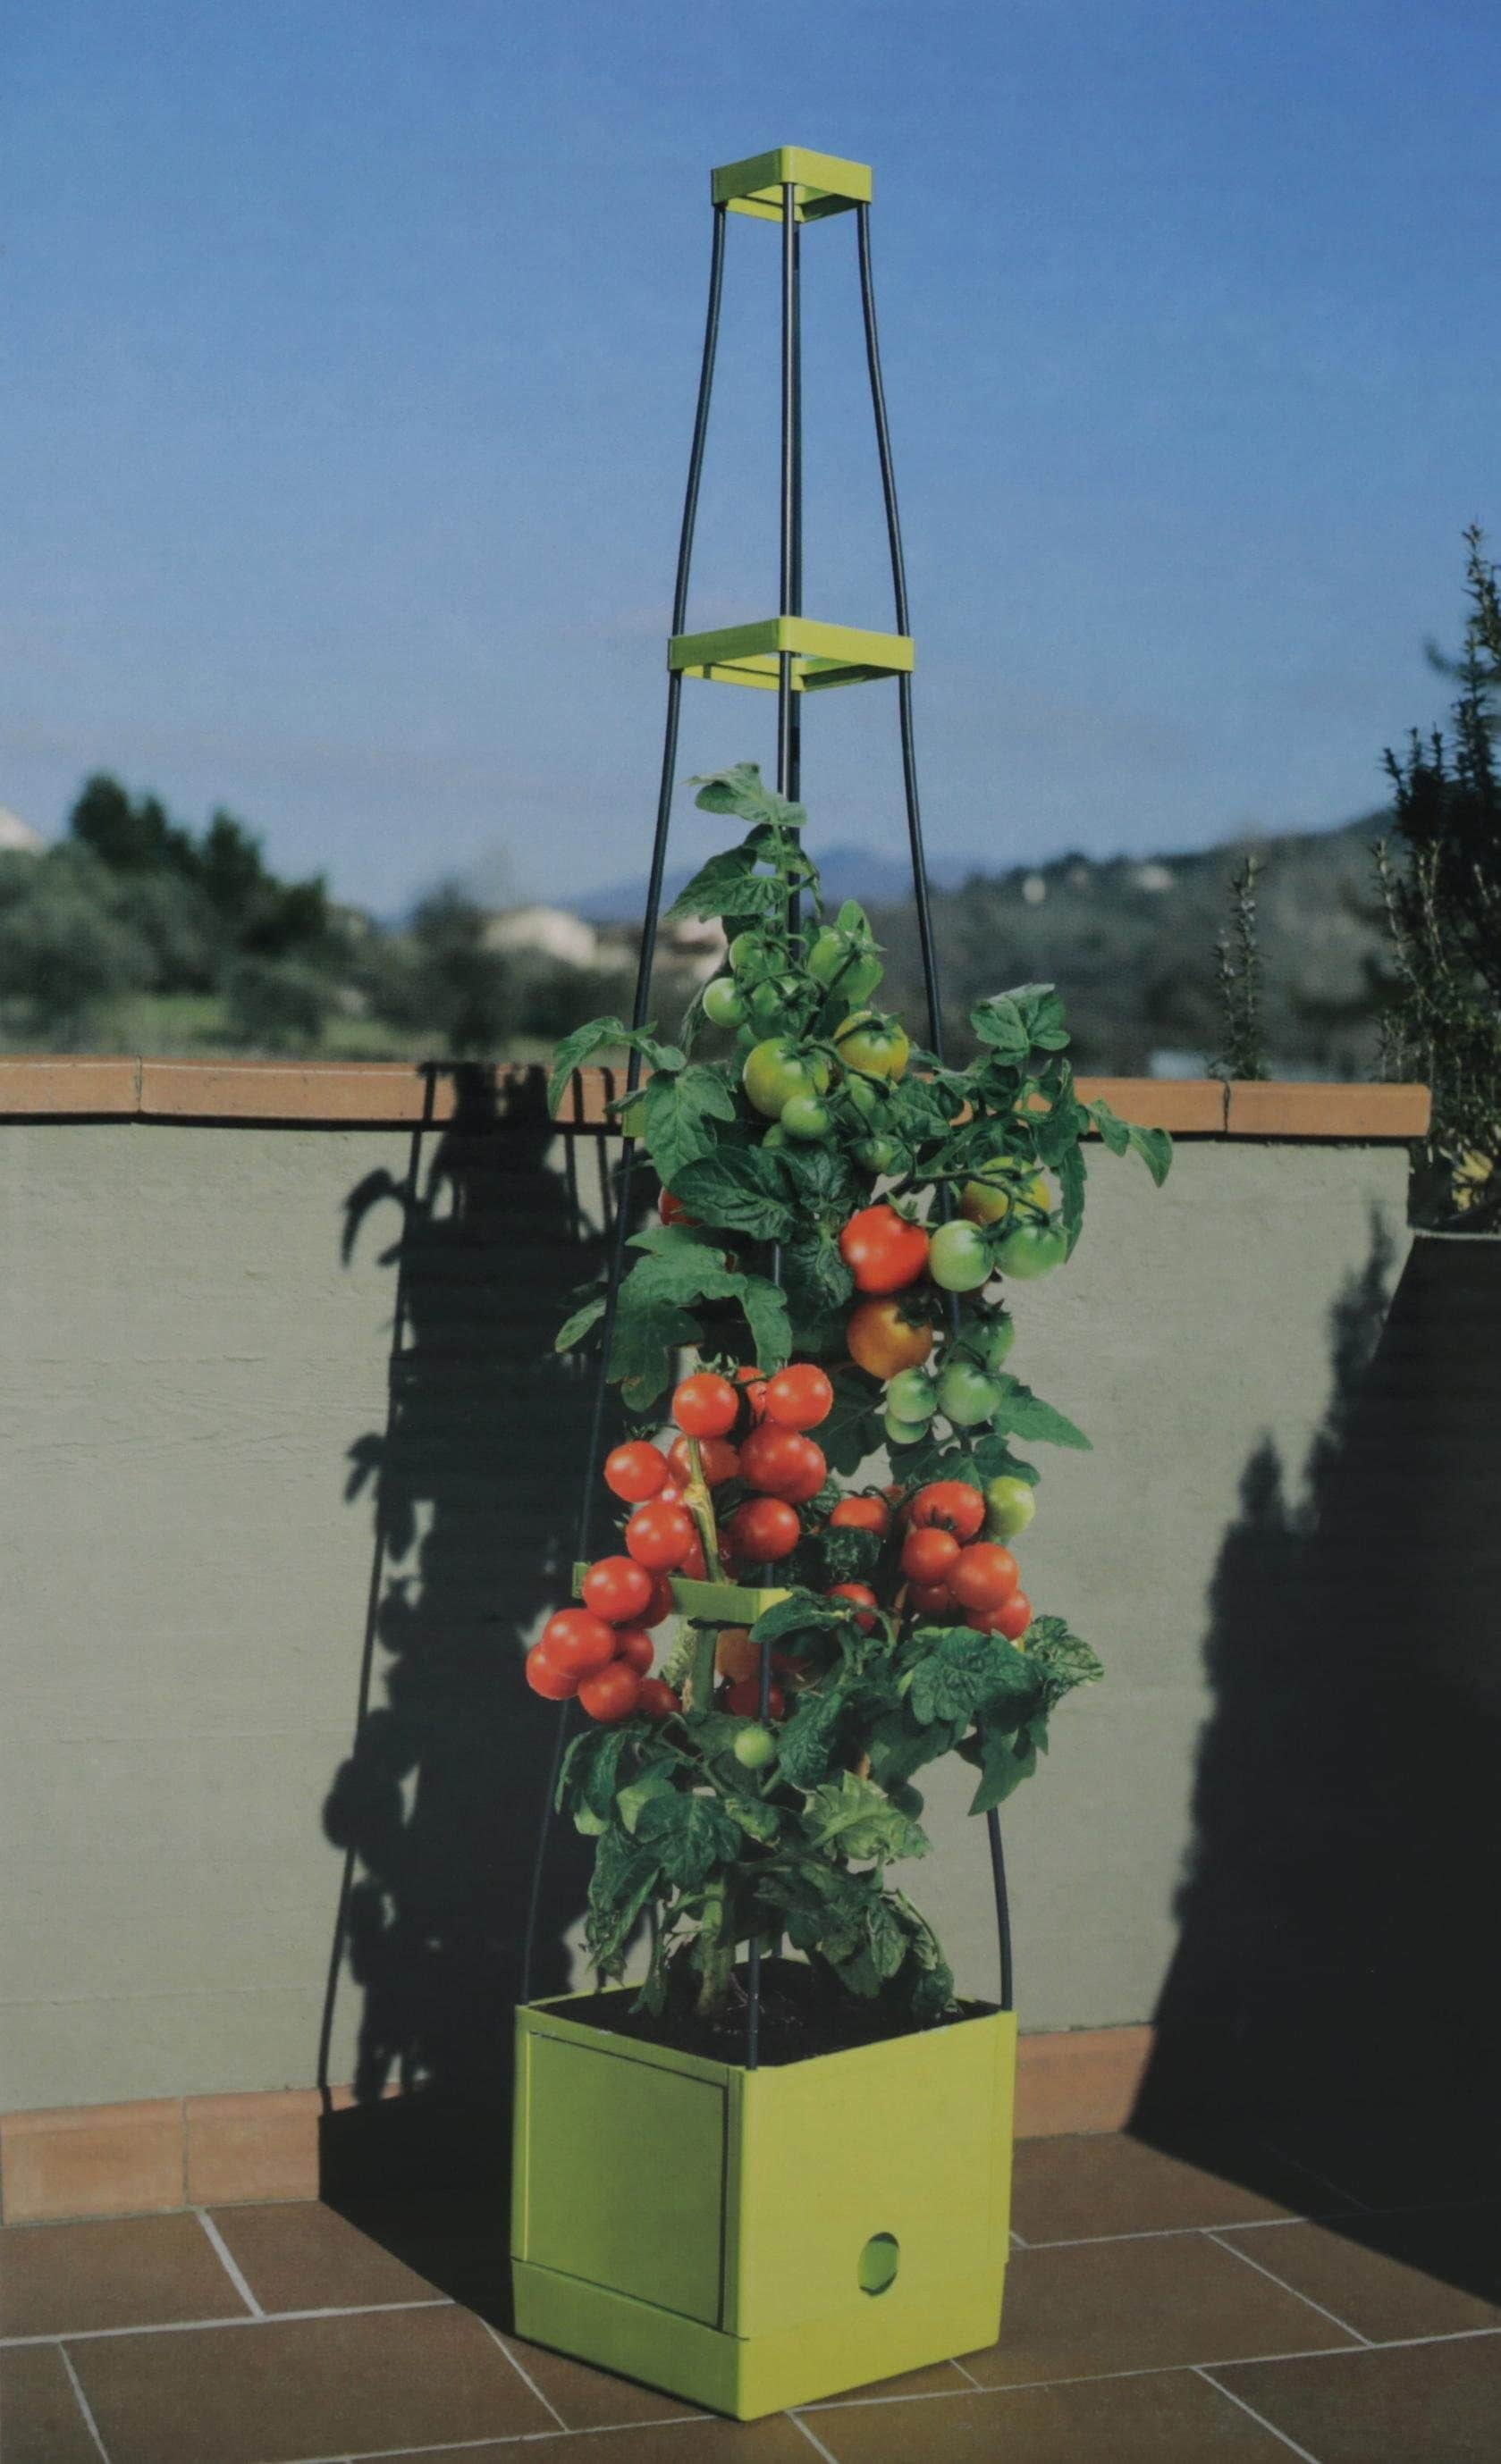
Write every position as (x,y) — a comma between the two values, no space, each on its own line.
(803,2014)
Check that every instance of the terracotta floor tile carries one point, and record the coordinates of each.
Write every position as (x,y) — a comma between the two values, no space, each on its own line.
(1414,2404)
(1392,2276)
(305,2258)
(939,2378)
(1128,2305)
(305,2387)
(1068,2189)
(1170,2417)
(40,2422)
(115,2271)
(589,2399)
(776,2440)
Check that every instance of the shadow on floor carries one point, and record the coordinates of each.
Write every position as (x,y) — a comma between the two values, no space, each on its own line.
(1334,1995)
(474,1482)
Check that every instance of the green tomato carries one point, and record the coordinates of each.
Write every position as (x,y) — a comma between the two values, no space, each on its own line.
(985,1202)
(750,959)
(843,961)
(957,1258)
(904,1433)
(755,1746)
(724,1002)
(875,1045)
(876,1154)
(968,1395)
(1010,1505)
(994,1339)
(804,1116)
(910,1395)
(776,1071)
(865,1097)
(1031,1249)
(770,1001)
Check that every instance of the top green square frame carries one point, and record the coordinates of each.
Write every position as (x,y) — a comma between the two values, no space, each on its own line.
(825,185)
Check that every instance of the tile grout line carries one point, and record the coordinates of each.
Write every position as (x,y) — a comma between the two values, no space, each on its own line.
(1322,2307)
(1260,2418)
(523,2373)
(83,2403)
(966,2374)
(813,2437)
(228,2262)
(201,2326)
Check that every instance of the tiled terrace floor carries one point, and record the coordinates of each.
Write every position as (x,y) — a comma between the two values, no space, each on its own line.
(1157,2313)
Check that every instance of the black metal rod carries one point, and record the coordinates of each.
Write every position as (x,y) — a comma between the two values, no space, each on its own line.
(594,1453)
(919,886)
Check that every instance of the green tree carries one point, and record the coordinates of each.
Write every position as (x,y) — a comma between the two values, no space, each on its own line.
(1443,1023)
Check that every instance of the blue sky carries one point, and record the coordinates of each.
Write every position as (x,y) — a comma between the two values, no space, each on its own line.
(348,358)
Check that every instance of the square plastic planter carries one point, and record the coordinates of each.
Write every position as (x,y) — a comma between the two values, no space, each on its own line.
(750,2239)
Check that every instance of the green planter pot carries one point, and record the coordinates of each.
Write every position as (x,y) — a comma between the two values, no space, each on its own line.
(752,2239)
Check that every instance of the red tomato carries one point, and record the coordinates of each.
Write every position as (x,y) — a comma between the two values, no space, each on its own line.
(882,1250)
(660,1536)
(930,1599)
(617,1589)
(670,1493)
(859,1596)
(694,1565)
(720,1460)
(744,1700)
(656,1699)
(577,1641)
(705,1406)
(952,1506)
(672,1210)
(783,1463)
(764,1528)
(983,1575)
(927,1553)
(662,1603)
(613,1694)
(800,1396)
(635,1471)
(636,1647)
(1011,1619)
(862,1514)
(735,1655)
(545,1678)
(750,1383)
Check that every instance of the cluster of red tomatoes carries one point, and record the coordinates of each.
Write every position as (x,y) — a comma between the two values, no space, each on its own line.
(603,1652)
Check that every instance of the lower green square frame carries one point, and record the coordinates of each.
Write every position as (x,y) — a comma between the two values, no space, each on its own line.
(753,2239)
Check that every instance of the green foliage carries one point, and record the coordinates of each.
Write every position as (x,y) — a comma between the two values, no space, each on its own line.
(801,1843)
(1443,909)
(1238,969)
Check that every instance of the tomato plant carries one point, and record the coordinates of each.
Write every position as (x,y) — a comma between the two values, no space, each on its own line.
(844,1220)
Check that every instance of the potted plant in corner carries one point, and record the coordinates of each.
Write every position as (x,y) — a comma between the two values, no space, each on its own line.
(840,1222)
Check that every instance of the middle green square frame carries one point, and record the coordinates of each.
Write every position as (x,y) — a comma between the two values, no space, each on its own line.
(822,654)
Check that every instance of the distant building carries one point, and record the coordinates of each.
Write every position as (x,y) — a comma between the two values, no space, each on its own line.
(548,932)
(17,837)
(1152,876)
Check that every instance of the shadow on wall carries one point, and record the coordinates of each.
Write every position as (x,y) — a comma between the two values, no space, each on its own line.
(1334,1995)
(475,1487)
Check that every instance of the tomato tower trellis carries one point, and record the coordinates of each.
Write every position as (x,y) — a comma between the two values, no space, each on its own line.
(790,654)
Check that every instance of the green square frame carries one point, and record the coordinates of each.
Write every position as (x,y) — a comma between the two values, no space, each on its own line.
(824,183)
(822,654)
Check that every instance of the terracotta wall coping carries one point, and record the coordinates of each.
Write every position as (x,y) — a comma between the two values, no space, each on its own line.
(399,1094)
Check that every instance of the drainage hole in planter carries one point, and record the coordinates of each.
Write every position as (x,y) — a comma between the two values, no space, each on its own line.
(879,2262)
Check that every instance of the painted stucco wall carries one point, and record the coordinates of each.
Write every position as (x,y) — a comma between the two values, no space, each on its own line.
(199,1409)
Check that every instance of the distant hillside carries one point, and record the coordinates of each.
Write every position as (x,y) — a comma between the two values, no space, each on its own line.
(1131,945)
(848,871)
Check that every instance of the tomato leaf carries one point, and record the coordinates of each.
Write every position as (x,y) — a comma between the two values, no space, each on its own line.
(599,1035)
(999,1024)
(1154,1146)
(765,1311)
(688,1835)
(993,1460)
(959,1670)
(741,790)
(1027,1415)
(806,1745)
(1062,1659)
(738,1191)
(850,1816)
(1007,1755)
(574,1329)
(680,1108)
(1042,1012)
